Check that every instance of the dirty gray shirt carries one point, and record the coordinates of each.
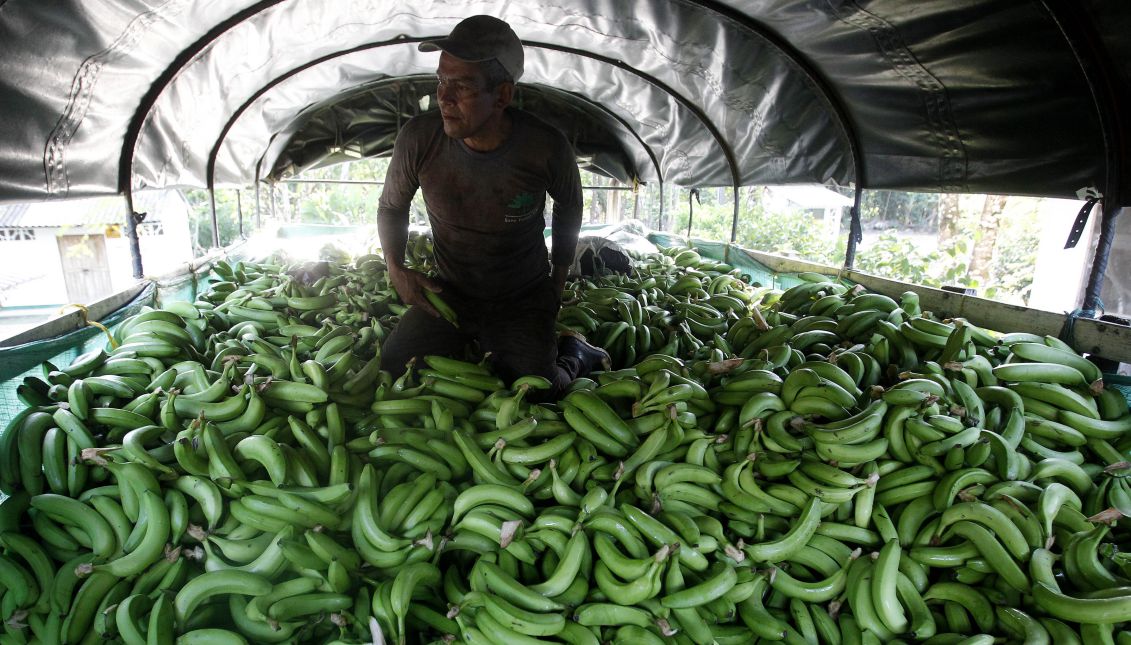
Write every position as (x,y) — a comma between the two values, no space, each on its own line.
(485,208)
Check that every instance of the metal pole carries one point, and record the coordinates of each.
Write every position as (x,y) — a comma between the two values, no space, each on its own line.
(734,220)
(1099,262)
(132,220)
(364,182)
(258,218)
(635,197)
(215,224)
(855,233)
(660,221)
(274,213)
(239,211)
(691,194)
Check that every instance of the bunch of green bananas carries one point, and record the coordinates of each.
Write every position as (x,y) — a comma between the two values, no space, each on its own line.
(666,308)
(815,464)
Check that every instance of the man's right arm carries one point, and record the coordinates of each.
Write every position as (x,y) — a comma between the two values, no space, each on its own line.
(401,183)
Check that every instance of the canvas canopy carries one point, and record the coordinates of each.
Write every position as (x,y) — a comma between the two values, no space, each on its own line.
(997,96)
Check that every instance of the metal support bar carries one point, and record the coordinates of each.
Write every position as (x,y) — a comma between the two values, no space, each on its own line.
(1102,79)
(693,193)
(635,198)
(660,221)
(734,219)
(367,182)
(215,223)
(258,218)
(855,232)
(398,41)
(1099,262)
(239,211)
(189,54)
(399,101)
(132,220)
(133,131)
(685,102)
(802,63)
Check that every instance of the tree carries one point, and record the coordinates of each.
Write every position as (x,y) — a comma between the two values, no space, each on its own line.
(949,216)
(983,255)
(227,217)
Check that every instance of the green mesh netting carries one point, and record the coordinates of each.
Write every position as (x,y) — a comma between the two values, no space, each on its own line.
(25,360)
(1119,383)
(736,256)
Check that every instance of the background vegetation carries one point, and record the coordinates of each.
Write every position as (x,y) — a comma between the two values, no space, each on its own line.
(929,239)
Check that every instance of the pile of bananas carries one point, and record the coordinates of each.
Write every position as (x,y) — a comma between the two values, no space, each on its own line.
(678,304)
(818,464)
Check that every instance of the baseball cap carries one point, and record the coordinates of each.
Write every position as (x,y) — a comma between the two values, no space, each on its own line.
(481,38)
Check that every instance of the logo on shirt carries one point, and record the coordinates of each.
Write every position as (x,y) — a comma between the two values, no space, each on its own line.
(523,206)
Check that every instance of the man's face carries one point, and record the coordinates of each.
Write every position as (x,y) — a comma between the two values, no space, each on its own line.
(465,101)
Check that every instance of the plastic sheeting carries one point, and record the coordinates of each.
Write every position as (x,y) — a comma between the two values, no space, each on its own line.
(936,95)
(690,153)
(366,122)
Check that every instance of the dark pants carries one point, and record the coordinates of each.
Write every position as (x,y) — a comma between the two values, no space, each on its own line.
(519,333)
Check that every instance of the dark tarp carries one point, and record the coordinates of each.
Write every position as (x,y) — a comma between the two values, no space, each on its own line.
(364,123)
(996,96)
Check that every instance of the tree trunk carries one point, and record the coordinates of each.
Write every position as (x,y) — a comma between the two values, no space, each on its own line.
(948,217)
(600,203)
(614,203)
(983,254)
(286,210)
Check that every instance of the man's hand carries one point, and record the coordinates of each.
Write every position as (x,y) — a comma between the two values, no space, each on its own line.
(410,286)
(558,277)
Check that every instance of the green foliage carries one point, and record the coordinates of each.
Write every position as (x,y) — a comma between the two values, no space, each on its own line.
(899,258)
(1016,256)
(903,259)
(340,203)
(907,211)
(227,217)
(794,233)
(346,204)
(333,202)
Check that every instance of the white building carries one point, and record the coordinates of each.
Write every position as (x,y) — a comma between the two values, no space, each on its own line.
(76,251)
(820,202)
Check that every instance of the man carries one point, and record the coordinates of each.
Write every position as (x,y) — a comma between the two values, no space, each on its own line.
(485,170)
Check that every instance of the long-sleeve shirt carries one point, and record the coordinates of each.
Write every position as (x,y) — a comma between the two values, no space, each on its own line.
(485,208)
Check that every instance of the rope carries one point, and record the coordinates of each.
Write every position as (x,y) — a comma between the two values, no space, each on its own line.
(1068,331)
(83,311)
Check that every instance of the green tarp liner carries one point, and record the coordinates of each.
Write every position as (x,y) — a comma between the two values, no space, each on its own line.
(759,274)
(24,360)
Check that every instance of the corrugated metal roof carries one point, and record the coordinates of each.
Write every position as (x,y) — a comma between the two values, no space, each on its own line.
(10,279)
(13,215)
(96,211)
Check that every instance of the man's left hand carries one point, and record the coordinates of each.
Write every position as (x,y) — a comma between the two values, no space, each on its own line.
(558,278)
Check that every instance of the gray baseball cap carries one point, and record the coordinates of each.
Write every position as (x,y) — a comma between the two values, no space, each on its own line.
(481,38)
